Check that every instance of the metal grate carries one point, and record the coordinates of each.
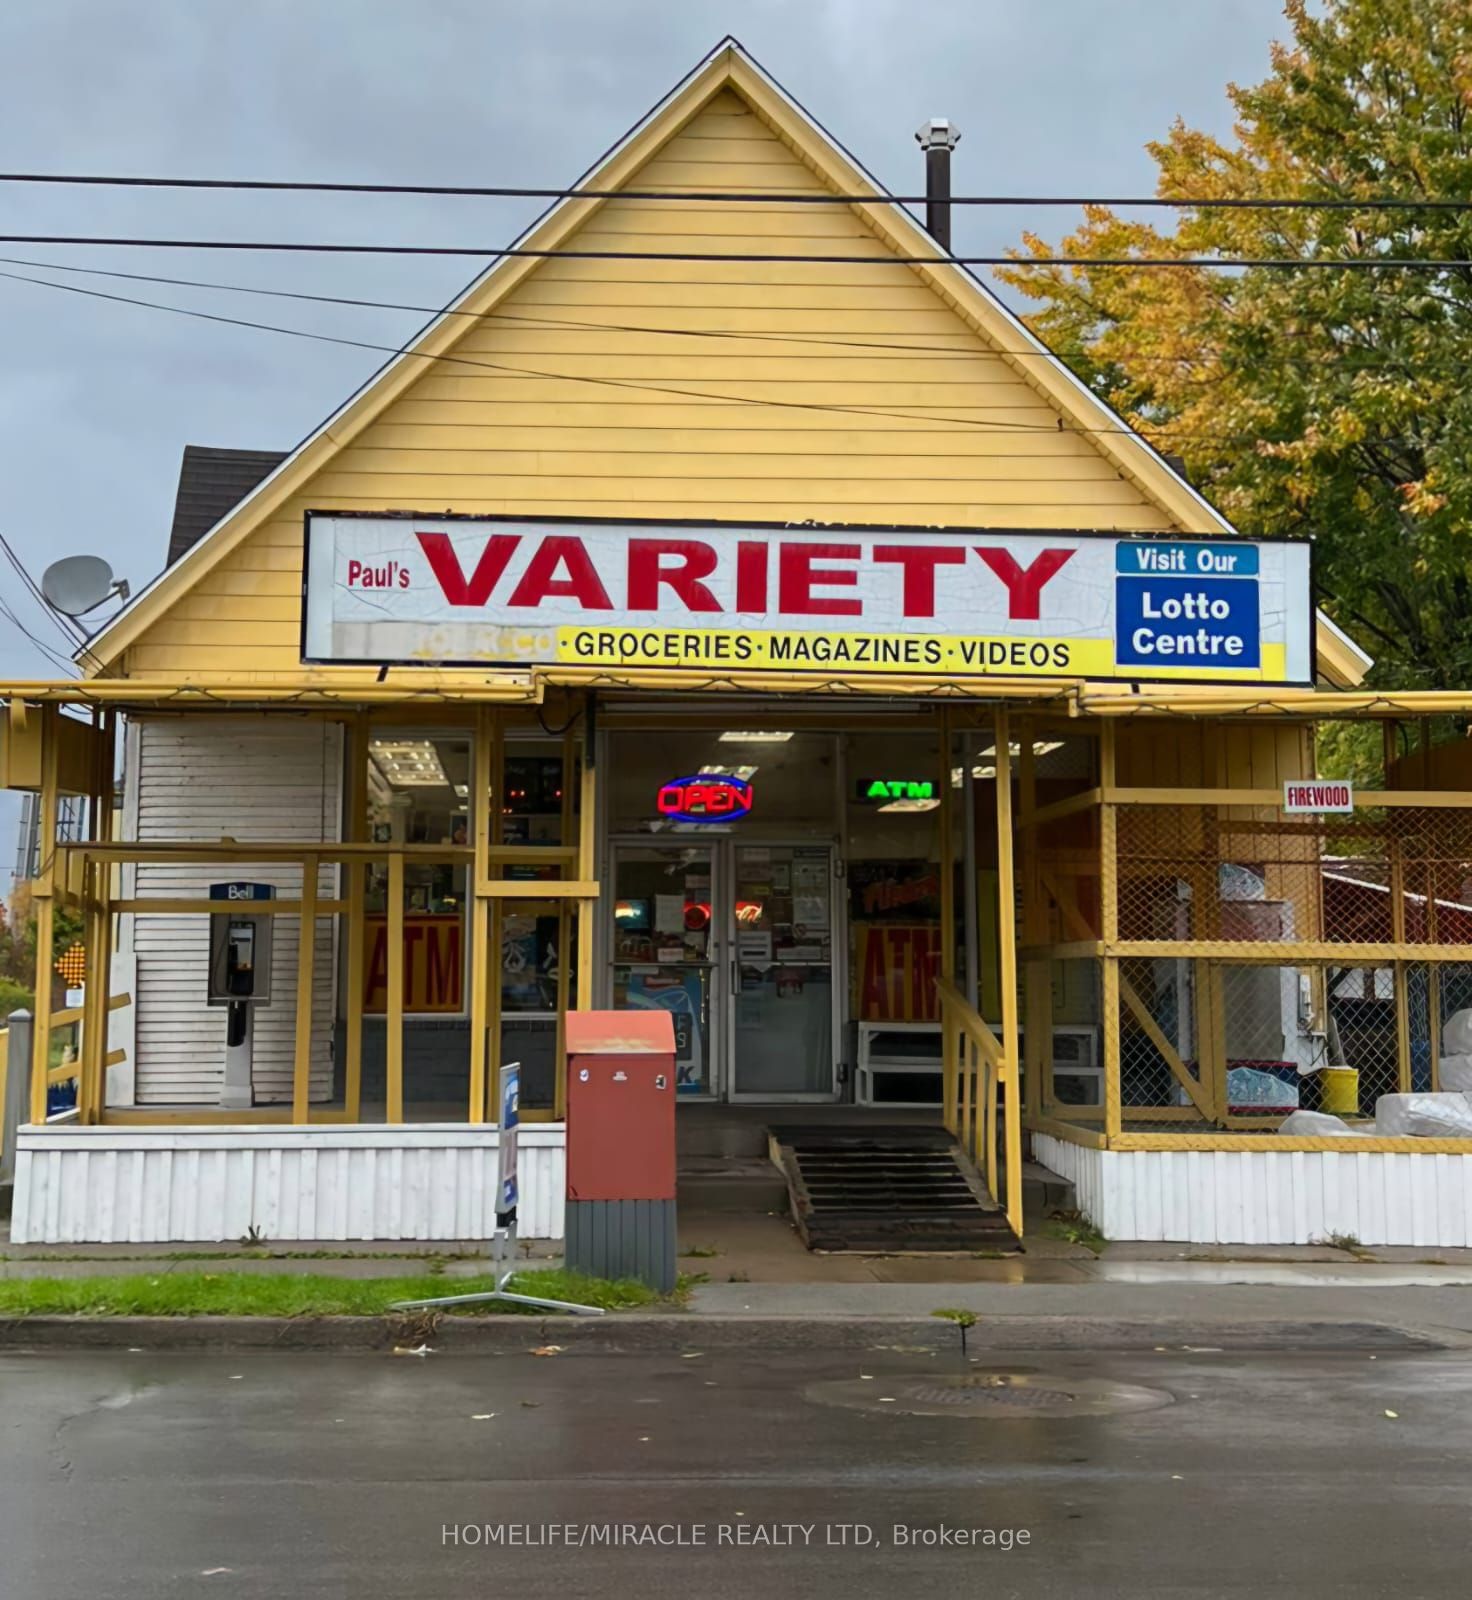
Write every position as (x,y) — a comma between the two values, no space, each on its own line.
(1250,875)
(994,1395)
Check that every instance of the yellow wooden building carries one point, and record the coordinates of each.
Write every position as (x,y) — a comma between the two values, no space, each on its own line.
(1015,878)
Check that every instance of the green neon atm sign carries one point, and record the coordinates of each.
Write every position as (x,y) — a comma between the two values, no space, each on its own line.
(877,790)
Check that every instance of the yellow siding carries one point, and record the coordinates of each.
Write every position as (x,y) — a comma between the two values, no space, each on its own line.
(1212,755)
(931,425)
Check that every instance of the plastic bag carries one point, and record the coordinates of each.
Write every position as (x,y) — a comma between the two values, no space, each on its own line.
(1246,1086)
(1425,1116)
(1456,1074)
(1318,1125)
(1456,1034)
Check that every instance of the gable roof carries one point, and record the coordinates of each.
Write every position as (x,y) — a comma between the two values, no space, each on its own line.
(213,482)
(728,67)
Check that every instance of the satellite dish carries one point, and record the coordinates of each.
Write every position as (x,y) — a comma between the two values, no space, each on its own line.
(77,584)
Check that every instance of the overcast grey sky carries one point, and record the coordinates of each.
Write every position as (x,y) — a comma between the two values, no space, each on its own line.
(98,399)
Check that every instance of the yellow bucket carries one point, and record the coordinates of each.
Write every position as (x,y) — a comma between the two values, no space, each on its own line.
(1340,1090)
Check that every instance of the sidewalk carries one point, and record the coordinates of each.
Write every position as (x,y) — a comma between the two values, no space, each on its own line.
(753,1286)
(729,1255)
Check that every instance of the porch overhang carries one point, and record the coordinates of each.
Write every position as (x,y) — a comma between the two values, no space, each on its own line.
(1071,697)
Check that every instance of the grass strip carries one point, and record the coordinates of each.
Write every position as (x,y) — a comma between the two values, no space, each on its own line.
(238,1294)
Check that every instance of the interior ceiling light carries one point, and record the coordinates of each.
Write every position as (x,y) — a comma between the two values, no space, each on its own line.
(910,805)
(713,769)
(1041,747)
(755,736)
(984,771)
(409,763)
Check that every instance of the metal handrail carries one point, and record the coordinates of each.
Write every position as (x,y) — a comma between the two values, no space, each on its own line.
(976,1065)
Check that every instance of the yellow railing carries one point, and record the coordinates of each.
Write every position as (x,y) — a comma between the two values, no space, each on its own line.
(73,1016)
(980,1091)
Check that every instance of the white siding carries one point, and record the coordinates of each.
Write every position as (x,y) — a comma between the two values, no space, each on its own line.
(102,1185)
(1268,1196)
(253,779)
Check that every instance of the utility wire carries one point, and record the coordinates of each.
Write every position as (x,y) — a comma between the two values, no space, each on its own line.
(1036,352)
(959,423)
(75,636)
(65,626)
(55,658)
(745,197)
(1292,263)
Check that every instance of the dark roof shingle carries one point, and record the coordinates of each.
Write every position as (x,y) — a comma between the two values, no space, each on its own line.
(212,482)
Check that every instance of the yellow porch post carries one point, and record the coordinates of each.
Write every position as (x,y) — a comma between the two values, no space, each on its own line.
(949,1060)
(493,915)
(479,963)
(564,932)
(1007,950)
(393,1022)
(1399,968)
(587,850)
(1109,927)
(1037,1007)
(96,929)
(357,872)
(306,961)
(42,893)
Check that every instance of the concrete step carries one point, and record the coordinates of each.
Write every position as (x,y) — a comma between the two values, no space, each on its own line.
(709,1131)
(1044,1192)
(729,1183)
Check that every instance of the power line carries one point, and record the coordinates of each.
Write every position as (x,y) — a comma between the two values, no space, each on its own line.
(68,630)
(1293,263)
(75,636)
(957,423)
(746,197)
(53,656)
(1035,352)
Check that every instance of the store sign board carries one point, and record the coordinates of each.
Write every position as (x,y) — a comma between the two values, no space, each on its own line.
(879,791)
(705,797)
(926,602)
(894,972)
(434,963)
(1318,797)
(507,1139)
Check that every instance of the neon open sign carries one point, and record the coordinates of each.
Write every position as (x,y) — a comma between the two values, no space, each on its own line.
(705,798)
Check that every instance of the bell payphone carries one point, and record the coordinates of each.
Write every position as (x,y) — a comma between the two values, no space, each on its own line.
(239,977)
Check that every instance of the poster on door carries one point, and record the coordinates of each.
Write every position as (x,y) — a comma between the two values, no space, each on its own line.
(894,972)
(681,994)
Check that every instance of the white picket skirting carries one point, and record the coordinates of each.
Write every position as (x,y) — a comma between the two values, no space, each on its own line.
(1267,1196)
(160,1185)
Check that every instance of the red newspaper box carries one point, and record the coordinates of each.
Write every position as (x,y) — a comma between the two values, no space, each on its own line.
(620,1217)
(620,1105)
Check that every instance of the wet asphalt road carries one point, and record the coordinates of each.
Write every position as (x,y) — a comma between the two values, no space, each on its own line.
(146,1477)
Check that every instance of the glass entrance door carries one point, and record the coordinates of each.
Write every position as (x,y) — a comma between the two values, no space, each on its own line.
(781,1028)
(736,942)
(666,946)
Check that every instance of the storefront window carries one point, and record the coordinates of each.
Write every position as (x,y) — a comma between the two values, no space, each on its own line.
(894,811)
(787,779)
(537,938)
(419,793)
(663,949)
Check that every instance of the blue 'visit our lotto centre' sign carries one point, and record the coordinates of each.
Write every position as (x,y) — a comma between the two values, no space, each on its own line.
(1187,605)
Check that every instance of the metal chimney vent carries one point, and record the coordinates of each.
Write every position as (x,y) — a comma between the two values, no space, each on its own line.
(937,138)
